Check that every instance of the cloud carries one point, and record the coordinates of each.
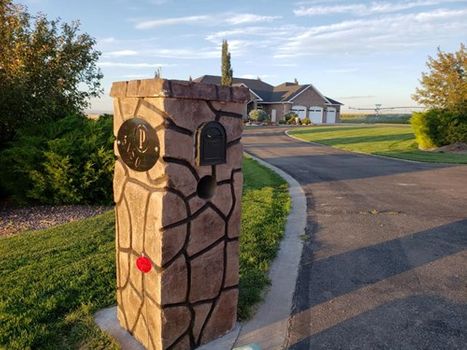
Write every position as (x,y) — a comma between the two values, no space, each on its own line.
(380,34)
(261,37)
(244,18)
(342,70)
(132,65)
(108,40)
(355,97)
(121,53)
(210,20)
(205,53)
(170,21)
(365,9)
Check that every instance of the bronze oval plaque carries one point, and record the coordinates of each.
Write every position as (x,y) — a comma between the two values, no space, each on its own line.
(138,144)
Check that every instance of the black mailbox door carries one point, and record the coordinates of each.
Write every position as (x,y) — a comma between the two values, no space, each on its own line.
(211,144)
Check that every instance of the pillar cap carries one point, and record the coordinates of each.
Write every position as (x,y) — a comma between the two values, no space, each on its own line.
(179,89)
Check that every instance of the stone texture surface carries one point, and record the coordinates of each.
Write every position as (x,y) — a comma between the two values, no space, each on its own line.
(190,294)
(179,89)
(232,265)
(223,316)
(201,313)
(206,274)
(174,282)
(175,322)
(206,228)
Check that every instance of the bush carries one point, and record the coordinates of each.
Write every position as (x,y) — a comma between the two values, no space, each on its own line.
(258,115)
(420,126)
(306,121)
(65,162)
(437,127)
(290,117)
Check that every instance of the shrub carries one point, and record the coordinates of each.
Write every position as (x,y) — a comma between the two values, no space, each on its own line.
(258,115)
(290,117)
(306,121)
(419,122)
(67,161)
(438,127)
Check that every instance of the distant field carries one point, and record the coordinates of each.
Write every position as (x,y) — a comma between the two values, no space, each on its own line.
(373,118)
(392,141)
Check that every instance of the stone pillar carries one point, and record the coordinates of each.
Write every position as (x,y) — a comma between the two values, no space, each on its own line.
(177,188)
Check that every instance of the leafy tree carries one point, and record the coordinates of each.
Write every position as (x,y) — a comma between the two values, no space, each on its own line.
(227,72)
(445,84)
(48,69)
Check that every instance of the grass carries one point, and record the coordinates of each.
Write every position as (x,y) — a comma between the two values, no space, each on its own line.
(265,204)
(388,140)
(53,280)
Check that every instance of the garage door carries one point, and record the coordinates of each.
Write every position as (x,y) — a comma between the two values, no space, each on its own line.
(331,116)
(300,110)
(316,114)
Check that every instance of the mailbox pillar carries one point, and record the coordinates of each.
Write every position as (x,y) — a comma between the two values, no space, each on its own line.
(177,188)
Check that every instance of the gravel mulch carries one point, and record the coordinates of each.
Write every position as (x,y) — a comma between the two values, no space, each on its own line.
(16,220)
(457,147)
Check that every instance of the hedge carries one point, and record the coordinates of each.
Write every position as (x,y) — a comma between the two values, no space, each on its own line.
(436,128)
(68,161)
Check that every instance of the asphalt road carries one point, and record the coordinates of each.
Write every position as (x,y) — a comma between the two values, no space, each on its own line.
(384,264)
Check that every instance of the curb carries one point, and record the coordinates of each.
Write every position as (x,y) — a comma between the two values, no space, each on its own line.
(269,326)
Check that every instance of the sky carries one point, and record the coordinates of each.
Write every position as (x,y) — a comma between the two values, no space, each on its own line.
(360,53)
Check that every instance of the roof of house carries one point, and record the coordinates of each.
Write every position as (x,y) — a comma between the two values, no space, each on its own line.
(334,102)
(268,93)
(286,91)
(259,87)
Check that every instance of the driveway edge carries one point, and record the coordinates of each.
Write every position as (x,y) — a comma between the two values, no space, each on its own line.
(269,326)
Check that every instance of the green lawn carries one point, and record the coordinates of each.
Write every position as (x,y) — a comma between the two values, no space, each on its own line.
(396,141)
(54,280)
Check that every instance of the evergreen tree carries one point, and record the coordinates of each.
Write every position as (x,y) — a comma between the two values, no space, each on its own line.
(227,72)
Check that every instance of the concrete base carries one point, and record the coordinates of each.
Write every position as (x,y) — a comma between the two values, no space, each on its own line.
(107,321)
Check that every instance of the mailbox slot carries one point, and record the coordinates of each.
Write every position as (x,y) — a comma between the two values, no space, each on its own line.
(211,144)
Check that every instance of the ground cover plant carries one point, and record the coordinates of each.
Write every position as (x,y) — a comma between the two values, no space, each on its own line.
(392,141)
(53,280)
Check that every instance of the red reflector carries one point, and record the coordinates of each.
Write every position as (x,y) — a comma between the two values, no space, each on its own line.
(143,264)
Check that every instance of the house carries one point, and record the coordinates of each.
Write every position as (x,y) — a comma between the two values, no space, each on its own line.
(305,100)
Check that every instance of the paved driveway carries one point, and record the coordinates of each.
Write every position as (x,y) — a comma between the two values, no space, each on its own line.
(385,261)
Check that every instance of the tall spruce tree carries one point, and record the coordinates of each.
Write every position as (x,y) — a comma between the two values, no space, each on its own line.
(227,72)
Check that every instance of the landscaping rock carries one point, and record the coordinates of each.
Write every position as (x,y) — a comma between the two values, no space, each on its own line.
(15,220)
